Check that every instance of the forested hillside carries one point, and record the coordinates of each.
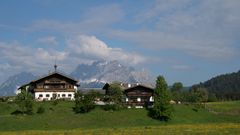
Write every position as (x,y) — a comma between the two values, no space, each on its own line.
(225,86)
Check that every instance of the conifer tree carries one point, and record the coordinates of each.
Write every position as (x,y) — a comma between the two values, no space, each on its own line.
(162,109)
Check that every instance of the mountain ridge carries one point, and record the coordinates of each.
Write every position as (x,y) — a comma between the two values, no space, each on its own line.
(110,71)
(9,86)
(225,86)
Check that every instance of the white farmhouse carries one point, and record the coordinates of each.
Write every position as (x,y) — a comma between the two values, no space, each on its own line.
(52,86)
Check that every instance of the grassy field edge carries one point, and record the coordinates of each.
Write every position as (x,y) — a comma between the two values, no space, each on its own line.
(223,128)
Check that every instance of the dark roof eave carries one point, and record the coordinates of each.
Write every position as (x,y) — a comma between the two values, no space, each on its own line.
(53,74)
(138,86)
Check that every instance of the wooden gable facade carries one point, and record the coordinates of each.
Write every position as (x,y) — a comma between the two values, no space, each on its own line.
(139,96)
(54,82)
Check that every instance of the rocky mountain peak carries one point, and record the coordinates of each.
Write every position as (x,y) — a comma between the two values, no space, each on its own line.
(108,71)
(9,86)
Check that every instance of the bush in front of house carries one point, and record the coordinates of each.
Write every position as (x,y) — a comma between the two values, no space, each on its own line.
(24,100)
(114,97)
(55,102)
(111,107)
(83,103)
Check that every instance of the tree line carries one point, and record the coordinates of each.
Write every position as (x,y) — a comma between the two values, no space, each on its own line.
(224,87)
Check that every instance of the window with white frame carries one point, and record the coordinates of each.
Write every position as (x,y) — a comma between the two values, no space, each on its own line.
(139,99)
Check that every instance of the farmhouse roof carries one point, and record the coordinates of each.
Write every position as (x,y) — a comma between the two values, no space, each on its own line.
(55,73)
(140,85)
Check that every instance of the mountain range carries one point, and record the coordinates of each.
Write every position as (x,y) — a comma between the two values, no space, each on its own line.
(93,75)
(9,86)
(104,71)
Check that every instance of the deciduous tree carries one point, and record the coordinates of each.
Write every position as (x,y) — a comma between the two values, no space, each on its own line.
(24,100)
(176,91)
(83,103)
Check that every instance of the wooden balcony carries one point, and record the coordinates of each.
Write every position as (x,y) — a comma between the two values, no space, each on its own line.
(137,103)
(139,95)
(54,82)
(54,90)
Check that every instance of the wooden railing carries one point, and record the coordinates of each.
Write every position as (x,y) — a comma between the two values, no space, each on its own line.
(57,82)
(54,90)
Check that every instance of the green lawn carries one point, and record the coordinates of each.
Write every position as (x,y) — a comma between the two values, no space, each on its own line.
(183,129)
(61,118)
(231,108)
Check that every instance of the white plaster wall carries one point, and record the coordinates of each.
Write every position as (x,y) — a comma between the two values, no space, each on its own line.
(36,95)
(18,91)
(151,99)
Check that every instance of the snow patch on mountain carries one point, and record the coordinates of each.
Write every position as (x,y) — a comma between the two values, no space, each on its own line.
(110,71)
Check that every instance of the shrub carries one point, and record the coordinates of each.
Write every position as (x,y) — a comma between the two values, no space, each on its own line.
(83,103)
(212,98)
(114,98)
(55,102)
(111,107)
(4,99)
(24,100)
(40,110)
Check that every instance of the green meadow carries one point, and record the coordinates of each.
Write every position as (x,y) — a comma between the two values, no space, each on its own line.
(216,118)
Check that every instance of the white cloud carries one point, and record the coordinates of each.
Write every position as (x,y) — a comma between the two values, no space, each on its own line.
(22,58)
(88,46)
(92,48)
(51,40)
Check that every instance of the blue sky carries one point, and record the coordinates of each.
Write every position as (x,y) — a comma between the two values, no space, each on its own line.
(184,40)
